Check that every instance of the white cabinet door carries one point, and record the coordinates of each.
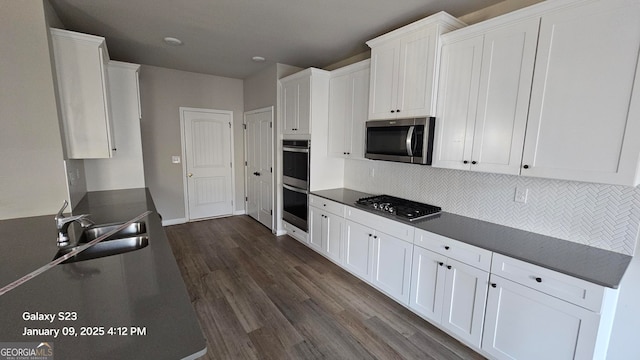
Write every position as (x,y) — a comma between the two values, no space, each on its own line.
(584,118)
(81,73)
(126,168)
(339,114)
(465,295)
(334,241)
(416,74)
(359,112)
(484,98)
(358,257)
(348,106)
(304,105)
(524,324)
(317,228)
(385,61)
(427,283)
(457,102)
(290,98)
(503,100)
(392,266)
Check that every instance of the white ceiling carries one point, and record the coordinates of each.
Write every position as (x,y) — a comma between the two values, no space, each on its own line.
(221,36)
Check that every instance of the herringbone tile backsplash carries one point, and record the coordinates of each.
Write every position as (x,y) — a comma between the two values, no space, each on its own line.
(603,216)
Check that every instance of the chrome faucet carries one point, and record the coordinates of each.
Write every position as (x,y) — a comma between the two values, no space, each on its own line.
(62,223)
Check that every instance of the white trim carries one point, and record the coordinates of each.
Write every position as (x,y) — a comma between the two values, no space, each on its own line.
(281,232)
(185,192)
(240,212)
(174,221)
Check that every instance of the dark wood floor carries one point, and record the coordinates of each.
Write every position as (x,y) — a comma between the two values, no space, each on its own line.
(259,296)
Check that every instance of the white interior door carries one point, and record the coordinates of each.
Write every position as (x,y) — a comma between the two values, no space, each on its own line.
(259,157)
(207,162)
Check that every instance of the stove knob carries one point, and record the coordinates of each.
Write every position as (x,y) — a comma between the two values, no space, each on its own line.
(391,209)
(375,205)
(386,207)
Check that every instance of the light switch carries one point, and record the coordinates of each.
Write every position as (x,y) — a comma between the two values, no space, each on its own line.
(175,159)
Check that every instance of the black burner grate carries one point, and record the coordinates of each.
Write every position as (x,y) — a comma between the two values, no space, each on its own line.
(406,209)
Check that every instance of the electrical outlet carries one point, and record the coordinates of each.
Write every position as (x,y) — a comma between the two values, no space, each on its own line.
(372,172)
(521,195)
(175,159)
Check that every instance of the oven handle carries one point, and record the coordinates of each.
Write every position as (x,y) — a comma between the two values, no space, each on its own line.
(409,141)
(289,187)
(293,149)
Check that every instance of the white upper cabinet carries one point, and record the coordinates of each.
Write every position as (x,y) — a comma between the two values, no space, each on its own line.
(81,73)
(485,81)
(348,106)
(584,121)
(404,68)
(304,96)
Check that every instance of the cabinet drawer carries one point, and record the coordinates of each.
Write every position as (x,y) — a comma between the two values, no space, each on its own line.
(327,205)
(457,250)
(295,232)
(387,226)
(565,287)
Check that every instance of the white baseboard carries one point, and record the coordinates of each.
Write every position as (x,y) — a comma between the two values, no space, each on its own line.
(281,232)
(239,212)
(174,221)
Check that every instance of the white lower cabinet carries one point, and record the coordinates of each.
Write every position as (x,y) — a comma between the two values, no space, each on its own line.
(449,293)
(525,324)
(500,306)
(392,266)
(358,255)
(326,233)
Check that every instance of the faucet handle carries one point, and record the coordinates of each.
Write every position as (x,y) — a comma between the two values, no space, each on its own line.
(64,206)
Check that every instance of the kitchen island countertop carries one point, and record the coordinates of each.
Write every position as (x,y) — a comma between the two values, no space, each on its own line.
(595,265)
(128,306)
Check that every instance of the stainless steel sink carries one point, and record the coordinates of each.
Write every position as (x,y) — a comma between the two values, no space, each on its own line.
(94,232)
(132,237)
(105,248)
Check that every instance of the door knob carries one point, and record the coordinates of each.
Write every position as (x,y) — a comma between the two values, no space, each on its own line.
(189,174)
(257,174)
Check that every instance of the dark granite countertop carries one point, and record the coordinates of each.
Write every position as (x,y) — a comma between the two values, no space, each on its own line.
(595,265)
(142,288)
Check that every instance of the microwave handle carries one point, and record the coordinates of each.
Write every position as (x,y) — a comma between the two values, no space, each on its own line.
(409,141)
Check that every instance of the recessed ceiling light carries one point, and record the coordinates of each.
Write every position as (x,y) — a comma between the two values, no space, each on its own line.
(257,58)
(172,41)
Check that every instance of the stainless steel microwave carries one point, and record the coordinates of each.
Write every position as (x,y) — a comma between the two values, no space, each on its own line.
(402,140)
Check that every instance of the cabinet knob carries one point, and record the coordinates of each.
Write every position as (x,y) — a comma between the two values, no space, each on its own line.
(393,111)
(370,235)
(446,248)
(465,162)
(398,110)
(375,236)
(493,285)
(441,263)
(538,279)
(474,162)
(449,267)
(525,166)
(324,204)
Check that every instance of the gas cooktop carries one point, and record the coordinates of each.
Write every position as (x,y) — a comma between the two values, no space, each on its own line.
(402,208)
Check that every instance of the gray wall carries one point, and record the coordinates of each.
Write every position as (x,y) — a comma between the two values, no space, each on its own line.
(260,89)
(162,93)
(32,181)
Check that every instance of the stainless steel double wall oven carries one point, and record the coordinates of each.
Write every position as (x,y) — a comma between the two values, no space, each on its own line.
(295,182)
